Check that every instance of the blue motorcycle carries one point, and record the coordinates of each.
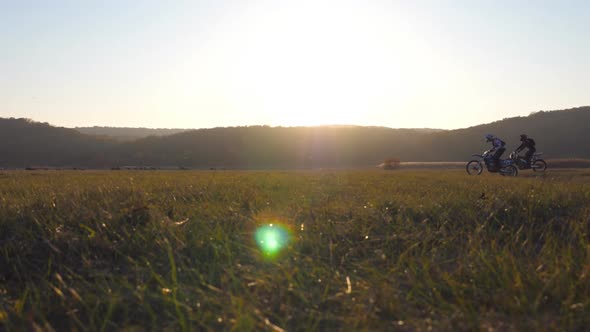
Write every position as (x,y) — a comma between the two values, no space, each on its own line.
(506,167)
(536,164)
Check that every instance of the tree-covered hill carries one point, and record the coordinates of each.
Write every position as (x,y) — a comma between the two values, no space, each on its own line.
(127,134)
(25,143)
(559,134)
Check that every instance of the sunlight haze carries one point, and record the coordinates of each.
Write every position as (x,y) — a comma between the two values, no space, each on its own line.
(200,64)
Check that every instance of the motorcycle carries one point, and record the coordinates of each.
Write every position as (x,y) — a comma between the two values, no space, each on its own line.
(537,164)
(506,167)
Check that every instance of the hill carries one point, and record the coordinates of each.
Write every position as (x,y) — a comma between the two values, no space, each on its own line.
(25,143)
(559,134)
(270,147)
(127,134)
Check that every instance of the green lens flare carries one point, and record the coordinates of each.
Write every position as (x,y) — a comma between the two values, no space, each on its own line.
(271,239)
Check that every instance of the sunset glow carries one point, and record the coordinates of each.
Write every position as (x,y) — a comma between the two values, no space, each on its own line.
(200,64)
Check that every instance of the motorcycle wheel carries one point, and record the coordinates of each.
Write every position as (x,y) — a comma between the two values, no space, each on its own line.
(509,171)
(539,165)
(474,167)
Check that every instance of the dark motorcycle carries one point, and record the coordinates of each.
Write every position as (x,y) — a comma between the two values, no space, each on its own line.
(506,167)
(537,164)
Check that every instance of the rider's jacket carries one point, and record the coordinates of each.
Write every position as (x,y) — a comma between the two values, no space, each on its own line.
(528,143)
(497,143)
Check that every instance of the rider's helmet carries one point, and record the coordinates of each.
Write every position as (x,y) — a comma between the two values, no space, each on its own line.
(523,137)
(490,137)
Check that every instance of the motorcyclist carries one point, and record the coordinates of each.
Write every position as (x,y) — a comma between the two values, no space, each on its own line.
(497,148)
(527,143)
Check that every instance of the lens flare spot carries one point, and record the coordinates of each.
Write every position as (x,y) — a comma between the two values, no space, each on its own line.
(271,239)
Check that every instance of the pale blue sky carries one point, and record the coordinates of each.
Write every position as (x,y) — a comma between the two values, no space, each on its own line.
(196,64)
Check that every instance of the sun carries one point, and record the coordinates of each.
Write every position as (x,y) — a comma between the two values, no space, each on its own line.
(314,63)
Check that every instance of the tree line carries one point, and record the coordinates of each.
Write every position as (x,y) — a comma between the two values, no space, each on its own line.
(25,143)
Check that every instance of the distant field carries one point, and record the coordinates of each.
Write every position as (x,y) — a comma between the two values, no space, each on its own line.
(407,165)
(569,163)
(368,250)
(552,164)
(432,165)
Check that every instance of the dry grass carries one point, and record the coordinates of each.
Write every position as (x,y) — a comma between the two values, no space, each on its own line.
(369,250)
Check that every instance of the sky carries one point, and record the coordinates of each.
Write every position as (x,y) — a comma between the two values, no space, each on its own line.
(217,63)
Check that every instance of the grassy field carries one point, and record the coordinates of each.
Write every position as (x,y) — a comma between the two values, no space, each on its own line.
(371,250)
